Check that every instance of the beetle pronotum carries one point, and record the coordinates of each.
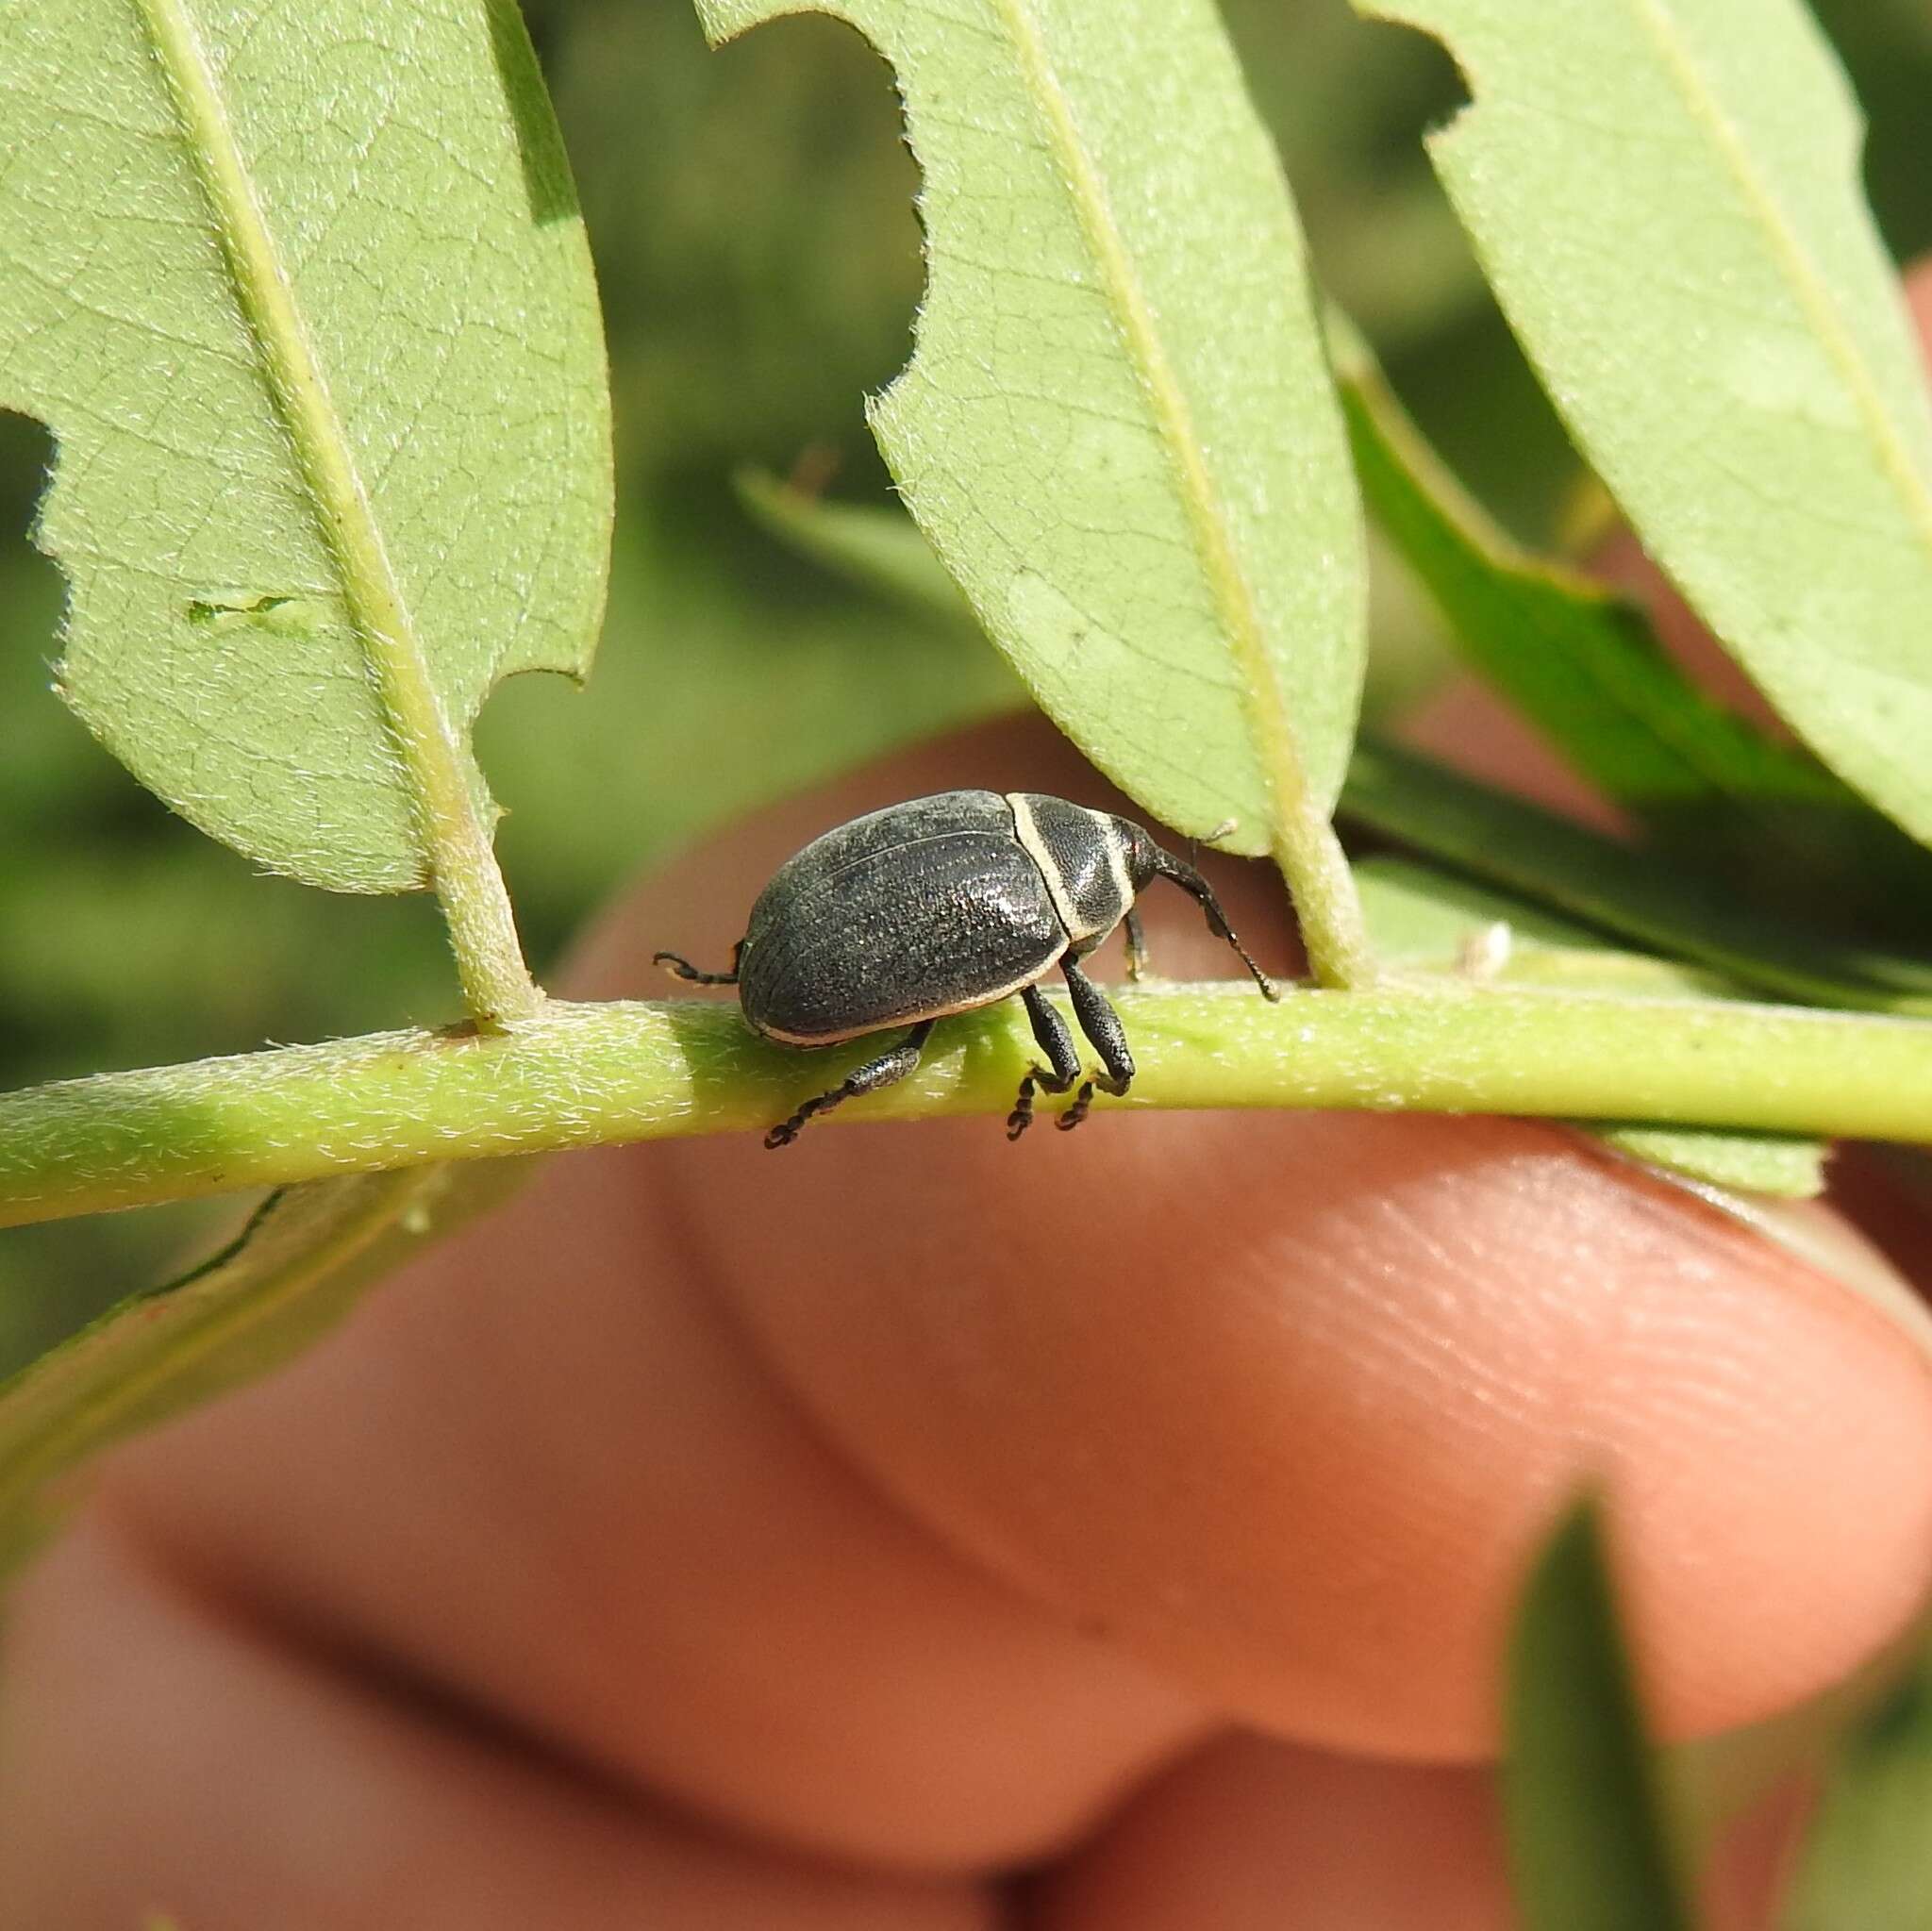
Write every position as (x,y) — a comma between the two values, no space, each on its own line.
(943,904)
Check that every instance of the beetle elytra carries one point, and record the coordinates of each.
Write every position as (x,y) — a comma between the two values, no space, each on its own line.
(940,905)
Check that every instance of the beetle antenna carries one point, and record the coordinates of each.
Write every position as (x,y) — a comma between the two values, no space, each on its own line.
(683,969)
(1167,866)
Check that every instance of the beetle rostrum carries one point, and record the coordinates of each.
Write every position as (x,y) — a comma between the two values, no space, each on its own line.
(943,904)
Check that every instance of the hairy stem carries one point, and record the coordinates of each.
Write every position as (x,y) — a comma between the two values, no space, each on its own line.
(584,1075)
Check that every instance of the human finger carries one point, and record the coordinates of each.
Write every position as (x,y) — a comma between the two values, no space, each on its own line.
(1282,1404)
(1251,1835)
(167,1759)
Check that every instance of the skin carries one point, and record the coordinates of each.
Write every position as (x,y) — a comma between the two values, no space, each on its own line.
(819,1541)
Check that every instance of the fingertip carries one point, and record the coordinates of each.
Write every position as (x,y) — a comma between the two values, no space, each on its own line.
(1286,1406)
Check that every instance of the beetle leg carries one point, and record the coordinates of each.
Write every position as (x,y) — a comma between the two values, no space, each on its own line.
(1137,946)
(1057,1042)
(683,969)
(886,1069)
(1102,1025)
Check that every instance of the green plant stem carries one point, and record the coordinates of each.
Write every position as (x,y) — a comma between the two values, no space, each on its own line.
(1327,906)
(457,853)
(584,1075)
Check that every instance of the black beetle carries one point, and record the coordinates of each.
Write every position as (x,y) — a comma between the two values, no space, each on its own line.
(943,904)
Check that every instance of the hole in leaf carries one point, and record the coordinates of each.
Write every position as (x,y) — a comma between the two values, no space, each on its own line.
(225,609)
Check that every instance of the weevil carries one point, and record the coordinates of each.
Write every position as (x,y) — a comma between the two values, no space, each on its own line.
(940,905)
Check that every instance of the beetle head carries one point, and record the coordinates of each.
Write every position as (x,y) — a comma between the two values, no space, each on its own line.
(1143,855)
(1147,860)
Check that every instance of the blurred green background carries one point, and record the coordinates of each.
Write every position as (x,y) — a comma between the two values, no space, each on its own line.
(751,215)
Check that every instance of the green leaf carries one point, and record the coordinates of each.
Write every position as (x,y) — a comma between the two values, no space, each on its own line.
(1578,659)
(1437,921)
(878,548)
(294,1271)
(303,295)
(1778,1165)
(1664,196)
(1636,894)
(1420,918)
(1588,1844)
(1585,667)
(1117,429)
(1868,1862)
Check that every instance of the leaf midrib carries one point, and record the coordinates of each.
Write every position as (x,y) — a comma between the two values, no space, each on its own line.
(1279,756)
(295,377)
(453,842)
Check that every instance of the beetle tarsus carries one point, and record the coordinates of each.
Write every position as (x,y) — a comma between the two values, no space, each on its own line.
(1037,1080)
(885,1071)
(1083,1099)
(1057,1042)
(681,968)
